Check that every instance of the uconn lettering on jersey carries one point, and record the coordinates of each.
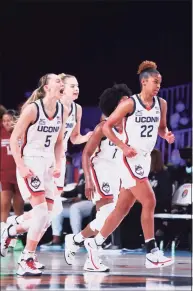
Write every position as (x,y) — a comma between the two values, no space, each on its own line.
(144,119)
(43,128)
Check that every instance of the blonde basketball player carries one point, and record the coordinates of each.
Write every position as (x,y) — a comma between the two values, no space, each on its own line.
(73,123)
(146,118)
(99,161)
(41,123)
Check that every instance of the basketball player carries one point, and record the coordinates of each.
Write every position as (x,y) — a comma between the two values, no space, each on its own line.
(41,123)
(8,179)
(99,162)
(73,123)
(72,132)
(146,118)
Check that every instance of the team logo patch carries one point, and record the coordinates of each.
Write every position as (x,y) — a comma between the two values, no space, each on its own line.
(139,113)
(35,182)
(139,170)
(42,121)
(184,193)
(106,187)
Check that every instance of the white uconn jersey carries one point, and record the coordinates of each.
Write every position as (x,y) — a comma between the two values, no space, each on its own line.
(142,125)
(107,151)
(41,136)
(70,124)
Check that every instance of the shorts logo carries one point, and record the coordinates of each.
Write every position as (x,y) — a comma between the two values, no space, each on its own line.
(35,182)
(185,192)
(139,170)
(106,187)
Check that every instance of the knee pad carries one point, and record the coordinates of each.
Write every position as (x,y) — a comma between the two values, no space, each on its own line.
(38,221)
(102,215)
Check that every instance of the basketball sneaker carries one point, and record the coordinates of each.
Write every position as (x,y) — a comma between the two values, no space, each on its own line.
(37,264)
(27,266)
(93,256)
(71,247)
(156,259)
(5,239)
(89,267)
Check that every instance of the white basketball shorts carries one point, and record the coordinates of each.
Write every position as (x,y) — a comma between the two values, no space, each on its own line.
(42,183)
(106,180)
(136,168)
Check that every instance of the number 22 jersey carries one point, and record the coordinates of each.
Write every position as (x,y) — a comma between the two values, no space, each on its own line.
(141,126)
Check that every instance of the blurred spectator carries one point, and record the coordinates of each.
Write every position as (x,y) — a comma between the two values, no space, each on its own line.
(8,171)
(76,208)
(161,182)
(2,111)
(180,119)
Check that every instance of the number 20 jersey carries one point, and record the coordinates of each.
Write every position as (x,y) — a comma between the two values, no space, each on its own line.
(141,126)
(41,136)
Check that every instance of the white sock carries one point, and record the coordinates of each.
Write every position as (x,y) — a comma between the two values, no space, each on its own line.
(79,238)
(147,240)
(99,239)
(12,231)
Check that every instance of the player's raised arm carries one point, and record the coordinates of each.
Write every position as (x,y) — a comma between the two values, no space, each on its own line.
(76,137)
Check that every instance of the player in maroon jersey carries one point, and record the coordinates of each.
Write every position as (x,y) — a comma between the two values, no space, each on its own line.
(9,188)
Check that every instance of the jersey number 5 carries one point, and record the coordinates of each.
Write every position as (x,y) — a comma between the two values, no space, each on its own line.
(47,142)
(146,130)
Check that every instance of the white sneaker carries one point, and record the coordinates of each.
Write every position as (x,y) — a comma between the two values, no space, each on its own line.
(37,264)
(88,266)
(71,247)
(94,259)
(27,266)
(5,240)
(156,259)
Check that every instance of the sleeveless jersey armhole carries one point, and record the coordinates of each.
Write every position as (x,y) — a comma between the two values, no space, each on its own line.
(134,107)
(38,113)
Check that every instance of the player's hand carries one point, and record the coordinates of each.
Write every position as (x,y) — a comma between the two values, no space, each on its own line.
(89,189)
(25,172)
(169,136)
(56,173)
(129,151)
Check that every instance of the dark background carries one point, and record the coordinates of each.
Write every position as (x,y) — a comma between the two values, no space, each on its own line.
(100,42)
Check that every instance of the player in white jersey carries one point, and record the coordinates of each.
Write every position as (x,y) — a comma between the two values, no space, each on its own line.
(41,125)
(146,118)
(73,123)
(100,160)
(72,132)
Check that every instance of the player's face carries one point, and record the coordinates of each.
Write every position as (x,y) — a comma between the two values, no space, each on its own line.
(7,122)
(152,85)
(55,86)
(71,88)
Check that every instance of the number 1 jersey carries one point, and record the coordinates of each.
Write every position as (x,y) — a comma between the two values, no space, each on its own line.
(41,136)
(141,126)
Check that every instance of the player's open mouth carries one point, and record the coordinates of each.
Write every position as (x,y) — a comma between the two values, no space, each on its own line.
(61,91)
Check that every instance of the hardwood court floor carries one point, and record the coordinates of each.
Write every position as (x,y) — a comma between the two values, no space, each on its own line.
(127,273)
